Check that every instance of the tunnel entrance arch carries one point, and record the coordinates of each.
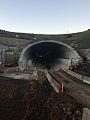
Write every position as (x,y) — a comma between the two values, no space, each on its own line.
(48,53)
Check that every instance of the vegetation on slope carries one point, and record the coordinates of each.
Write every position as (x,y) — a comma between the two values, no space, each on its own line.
(80,39)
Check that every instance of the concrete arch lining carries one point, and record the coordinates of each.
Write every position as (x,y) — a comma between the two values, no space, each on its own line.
(47,52)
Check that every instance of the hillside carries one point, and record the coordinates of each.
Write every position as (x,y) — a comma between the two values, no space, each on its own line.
(80,39)
(14,42)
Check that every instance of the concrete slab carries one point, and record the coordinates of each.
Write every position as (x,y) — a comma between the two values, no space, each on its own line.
(18,76)
(86,114)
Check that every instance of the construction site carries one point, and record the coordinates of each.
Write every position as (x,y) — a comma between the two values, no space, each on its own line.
(44,80)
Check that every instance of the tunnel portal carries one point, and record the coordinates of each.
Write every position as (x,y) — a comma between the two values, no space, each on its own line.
(48,54)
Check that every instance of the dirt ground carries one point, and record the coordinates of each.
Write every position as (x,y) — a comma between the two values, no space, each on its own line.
(35,100)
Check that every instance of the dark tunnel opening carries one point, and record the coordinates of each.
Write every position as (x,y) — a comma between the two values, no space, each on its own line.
(47,54)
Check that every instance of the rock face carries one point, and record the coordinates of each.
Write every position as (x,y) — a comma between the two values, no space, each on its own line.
(86,52)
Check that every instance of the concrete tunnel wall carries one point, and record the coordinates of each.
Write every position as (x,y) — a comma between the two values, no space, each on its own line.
(48,53)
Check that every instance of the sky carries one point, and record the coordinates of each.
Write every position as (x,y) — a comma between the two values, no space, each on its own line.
(45,16)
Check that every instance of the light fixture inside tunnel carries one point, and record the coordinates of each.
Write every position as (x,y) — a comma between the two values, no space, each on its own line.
(47,53)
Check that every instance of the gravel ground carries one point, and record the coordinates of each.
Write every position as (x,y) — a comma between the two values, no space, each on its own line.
(35,100)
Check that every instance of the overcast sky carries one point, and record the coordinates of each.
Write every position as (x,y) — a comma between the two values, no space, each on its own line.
(45,16)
